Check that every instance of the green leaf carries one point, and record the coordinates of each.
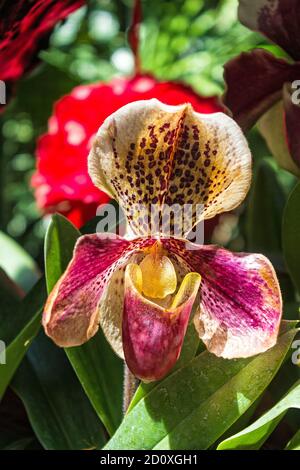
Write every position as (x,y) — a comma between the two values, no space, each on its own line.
(265,208)
(60,239)
(57,407)
(19,324)
(194,406)
(17,264)
(99,370)
(291,235)
(256,434)
(294,443)
(15,430)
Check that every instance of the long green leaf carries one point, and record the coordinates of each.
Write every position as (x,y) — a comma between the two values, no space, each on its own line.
(19,324)
(194,406)
(291,235)
(265,208)
(97,367)
(58,409)
(60,239)
(294,443)
(256,434)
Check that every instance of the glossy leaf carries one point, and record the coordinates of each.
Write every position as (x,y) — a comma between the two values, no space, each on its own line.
(194,406)
(291,235)
(99,370)
(58,409)
(256,434)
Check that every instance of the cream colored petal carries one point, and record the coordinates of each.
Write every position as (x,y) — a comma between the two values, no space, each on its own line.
(149,154)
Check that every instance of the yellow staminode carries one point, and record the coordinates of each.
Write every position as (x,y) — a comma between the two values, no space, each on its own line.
(158,274)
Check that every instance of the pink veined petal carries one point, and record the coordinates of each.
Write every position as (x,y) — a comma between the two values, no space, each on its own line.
(254,83)
(240,300)
(278,20)
(74,307)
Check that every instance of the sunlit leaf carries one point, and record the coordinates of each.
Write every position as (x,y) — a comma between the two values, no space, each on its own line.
(256,434)
(294,443)
(194,406)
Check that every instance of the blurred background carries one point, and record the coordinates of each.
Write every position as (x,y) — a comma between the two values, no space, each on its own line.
(186,40)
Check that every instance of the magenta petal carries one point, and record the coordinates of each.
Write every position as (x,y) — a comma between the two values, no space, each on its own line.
(292,122)
(278,20)
(254,83)
(240,300)
(72,311)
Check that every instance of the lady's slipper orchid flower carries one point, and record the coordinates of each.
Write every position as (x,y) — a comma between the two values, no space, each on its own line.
(141,290)
(260,85)
(63,184)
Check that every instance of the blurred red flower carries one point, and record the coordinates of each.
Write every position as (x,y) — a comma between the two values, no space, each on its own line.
(24,30)
(61,181)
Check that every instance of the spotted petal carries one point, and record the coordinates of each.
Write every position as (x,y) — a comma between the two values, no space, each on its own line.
(149,154)
(278,20)
(90,291)
(240,306)
(153,335)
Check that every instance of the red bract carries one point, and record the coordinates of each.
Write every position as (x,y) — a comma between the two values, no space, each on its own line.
(61,181)
(24,31)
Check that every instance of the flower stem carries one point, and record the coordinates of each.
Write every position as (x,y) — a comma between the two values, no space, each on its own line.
(130,386)
(134,34)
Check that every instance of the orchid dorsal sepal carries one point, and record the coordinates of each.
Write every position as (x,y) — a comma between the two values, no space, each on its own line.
(152,158)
